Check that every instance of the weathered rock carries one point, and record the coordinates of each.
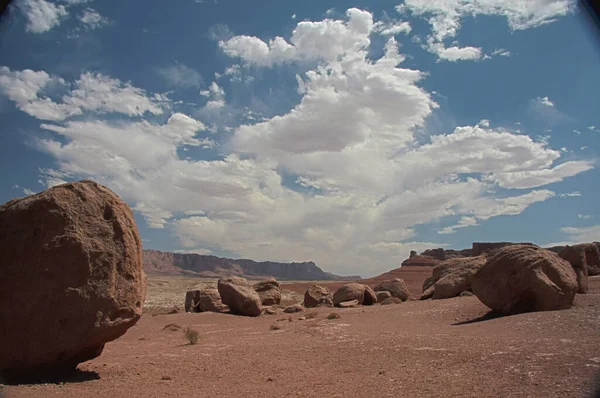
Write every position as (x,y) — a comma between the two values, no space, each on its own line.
(524,278)
(204,300)
(382,295)
(454,276)
(591,256)
(575,255)
(269,311)
(391,300)
(439,253)
(412,254)
(239,296)
(348,292)
(71,276)
(421,261)
(466,293)
(369,297)
(348,304)
(268,291)
(316,296)
(396,287)
(293,308)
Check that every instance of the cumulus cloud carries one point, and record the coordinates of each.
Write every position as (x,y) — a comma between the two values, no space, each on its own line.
(392,28)
(327,40)
(42,15)
(180,75)
(93,92)
(340,178)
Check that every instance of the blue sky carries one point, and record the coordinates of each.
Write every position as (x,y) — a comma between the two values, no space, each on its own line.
(346,133)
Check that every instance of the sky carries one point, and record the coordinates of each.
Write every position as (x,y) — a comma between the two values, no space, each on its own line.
(345,133)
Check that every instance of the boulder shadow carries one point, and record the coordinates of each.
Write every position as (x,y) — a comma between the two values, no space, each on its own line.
(13,378)
(485,317)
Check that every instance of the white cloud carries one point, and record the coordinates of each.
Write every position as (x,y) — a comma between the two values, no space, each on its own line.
(445,16)
(570,194)
(180,75)
(455,53)
(91,19)
(327,40)
(200,251)
(484,123)
(544,101)
(91,92)
(594,129)
(42,15)
(502,52)
(462,223)
(579,235)
(363,180)
(392,28)
(293,16)
(585,216)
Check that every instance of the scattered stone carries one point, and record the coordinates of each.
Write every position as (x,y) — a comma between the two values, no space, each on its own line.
(268,291)
(166,378)
(239,296)
(317,295)
(576,256)
(466,293)
(348,304)
(524,278)
(270,379)
(275,327)
(382,295)
(71,277)
(293,308)
(396,287)
(302,318)
(333,315)
(269,311)
(172,327)
(391,300)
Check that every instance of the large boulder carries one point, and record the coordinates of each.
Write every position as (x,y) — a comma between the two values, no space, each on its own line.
(204,300)
(591,257)
(239,296)
(268,291)
(452,277)
(71,277)
(370,297)
(524,278)
(348,292)
(317,295)
(575,255)
(396,287)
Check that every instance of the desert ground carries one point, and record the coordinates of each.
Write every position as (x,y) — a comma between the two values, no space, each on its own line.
(433,348)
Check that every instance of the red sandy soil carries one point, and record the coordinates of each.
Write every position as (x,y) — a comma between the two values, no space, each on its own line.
(443,348)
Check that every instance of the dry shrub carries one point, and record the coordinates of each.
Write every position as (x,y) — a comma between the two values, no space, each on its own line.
(391,300)
(191,335)
(333,315)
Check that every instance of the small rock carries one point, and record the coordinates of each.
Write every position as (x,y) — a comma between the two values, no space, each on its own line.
(166,378)
(293,308)
(348,304)
(302,318)
(269,311)
(270,379)
(466,293)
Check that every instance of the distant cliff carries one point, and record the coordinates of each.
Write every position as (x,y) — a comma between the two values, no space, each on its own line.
(432,257)
(157,262)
